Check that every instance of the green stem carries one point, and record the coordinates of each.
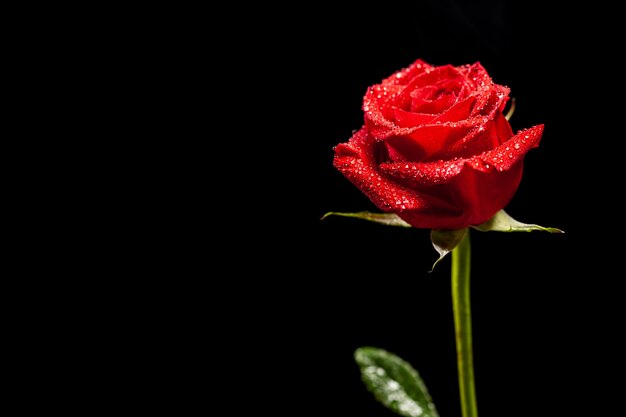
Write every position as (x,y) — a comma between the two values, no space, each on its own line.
(463,325)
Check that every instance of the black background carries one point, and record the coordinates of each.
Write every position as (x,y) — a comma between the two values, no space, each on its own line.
(545,306)
(235,115)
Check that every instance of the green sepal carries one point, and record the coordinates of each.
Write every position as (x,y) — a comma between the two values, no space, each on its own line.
(388,219)
(502,222)
(444,241)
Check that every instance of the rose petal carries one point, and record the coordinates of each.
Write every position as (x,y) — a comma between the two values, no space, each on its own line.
(490,100)
(509,152)
(503,129)
(436,106)
(426,85)
(407,74)
(420,94)
(460,111)
(490,133)
(423,173)
(423,142)
(434,76)
(377,98)
(356,162)
(479,195)
(486,137)
(441,172)
(408,119)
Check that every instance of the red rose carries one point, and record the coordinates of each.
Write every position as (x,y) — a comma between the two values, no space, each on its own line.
(435,148)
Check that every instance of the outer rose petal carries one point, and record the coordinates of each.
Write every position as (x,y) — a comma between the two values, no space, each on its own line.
(415,174)
(479,195)
(356,161)
(438,195)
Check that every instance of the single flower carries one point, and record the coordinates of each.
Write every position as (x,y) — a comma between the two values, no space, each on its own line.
(436,148)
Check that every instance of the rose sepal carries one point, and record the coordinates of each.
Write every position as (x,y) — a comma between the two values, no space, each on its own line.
(387,219)
(444,241)
(502,222)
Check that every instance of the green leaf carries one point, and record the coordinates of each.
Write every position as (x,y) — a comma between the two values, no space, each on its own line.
(502,222)
(444,241)
(388,219)
(394,383)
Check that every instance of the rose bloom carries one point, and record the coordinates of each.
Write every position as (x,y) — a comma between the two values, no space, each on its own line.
(436,148)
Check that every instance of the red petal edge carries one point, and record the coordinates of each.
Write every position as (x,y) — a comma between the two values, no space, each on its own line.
(501,158)
(355,160)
